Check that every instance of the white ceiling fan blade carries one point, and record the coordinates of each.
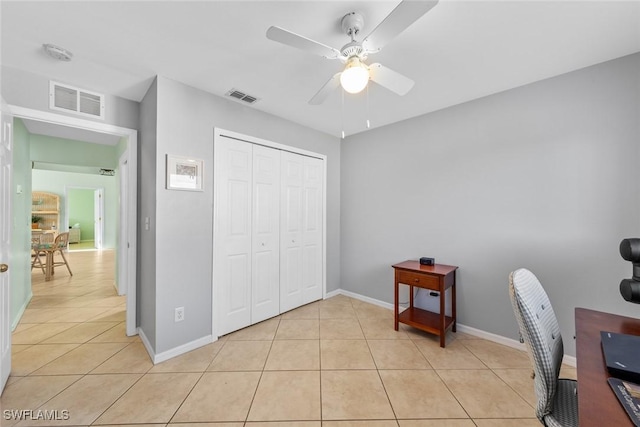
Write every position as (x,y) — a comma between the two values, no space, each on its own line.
(390,79)
(325,90)
(295,40)
(400,18)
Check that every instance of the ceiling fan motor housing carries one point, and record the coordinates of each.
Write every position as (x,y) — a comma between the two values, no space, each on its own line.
(353,49)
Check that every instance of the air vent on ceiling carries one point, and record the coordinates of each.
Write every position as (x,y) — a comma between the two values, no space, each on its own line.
(241,96)
(72,99)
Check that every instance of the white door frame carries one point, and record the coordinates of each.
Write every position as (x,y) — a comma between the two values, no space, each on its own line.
(129,247)
(219,133)
(123,221)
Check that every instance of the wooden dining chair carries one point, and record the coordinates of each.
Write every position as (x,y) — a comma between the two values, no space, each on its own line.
(60,245)
(39,243)
(49,249)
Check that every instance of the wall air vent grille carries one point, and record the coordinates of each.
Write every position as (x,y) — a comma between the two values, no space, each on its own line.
(74,100)
(241,96)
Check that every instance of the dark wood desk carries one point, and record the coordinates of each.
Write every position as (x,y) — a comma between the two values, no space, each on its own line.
(438,277)
(597,405)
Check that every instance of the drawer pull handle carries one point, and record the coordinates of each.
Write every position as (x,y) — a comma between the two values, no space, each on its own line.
(416,280)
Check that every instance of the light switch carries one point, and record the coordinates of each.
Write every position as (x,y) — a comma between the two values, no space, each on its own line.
(18,189)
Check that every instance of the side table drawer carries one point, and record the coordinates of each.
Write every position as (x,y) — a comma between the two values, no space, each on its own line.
(421,280)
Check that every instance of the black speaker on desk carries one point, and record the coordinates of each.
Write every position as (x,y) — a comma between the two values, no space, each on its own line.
(427,261)
(630,288)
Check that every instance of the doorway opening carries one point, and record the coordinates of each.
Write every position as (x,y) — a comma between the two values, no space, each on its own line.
(84,213)
(126,196)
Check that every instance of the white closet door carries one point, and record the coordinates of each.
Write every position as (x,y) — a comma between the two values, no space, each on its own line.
(291,229)
(301,230)
(312,221)
(265,289)
(232,235)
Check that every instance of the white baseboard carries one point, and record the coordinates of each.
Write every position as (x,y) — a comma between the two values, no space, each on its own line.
(332,294)
(146,343)
(176,351)
(20,313)
(509,342)
(366,299)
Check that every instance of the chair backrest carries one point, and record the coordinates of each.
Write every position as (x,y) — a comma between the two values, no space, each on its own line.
(46,237)
(62,240)
(541,333)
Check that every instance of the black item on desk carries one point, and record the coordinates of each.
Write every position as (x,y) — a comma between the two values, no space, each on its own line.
(622,355)
(427,261)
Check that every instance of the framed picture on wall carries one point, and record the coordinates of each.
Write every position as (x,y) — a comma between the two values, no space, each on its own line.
(184,173)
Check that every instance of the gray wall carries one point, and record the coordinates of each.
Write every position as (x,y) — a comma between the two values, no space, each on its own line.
(146,256)
(183,223)
(32,91)
(545,177)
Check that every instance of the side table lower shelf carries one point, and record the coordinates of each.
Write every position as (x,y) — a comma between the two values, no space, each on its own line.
(425,320)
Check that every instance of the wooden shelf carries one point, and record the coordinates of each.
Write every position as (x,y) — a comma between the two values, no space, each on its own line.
(47,206)
(423,319)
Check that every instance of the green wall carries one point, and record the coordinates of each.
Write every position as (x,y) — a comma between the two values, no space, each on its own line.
(58,153)
(81,210)
(69,152)
(60,182)
(21,233)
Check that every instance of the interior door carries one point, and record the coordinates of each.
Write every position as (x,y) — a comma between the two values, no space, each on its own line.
(291,226)
(98,214)
(265,271)
(5,244)
(232,233)
(312,221)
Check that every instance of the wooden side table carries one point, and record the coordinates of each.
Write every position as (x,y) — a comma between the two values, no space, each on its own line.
(438,277)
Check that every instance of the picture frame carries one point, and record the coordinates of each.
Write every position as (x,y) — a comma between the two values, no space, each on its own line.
(184,173)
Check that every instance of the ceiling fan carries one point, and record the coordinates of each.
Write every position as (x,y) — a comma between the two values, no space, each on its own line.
(356,74)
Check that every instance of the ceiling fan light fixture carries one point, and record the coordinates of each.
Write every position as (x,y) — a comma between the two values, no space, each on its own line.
(355,76)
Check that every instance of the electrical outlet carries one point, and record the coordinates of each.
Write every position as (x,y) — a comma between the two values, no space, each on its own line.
(179,314)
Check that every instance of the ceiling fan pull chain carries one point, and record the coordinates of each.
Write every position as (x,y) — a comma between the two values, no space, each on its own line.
(342,115)
(367,109)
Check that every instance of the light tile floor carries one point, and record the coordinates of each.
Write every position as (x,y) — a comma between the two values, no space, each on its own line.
(332,363)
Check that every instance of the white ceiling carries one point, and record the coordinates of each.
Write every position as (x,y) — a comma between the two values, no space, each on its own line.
(459,51)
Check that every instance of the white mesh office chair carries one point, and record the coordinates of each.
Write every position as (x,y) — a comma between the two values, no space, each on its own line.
(557,398)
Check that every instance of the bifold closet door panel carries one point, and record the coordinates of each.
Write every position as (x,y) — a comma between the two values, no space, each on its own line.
(292,169)
(232,234)
(312,220)
(265,275)
(301,222)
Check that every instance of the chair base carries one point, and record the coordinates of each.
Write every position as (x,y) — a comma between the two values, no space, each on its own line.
(565,405)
